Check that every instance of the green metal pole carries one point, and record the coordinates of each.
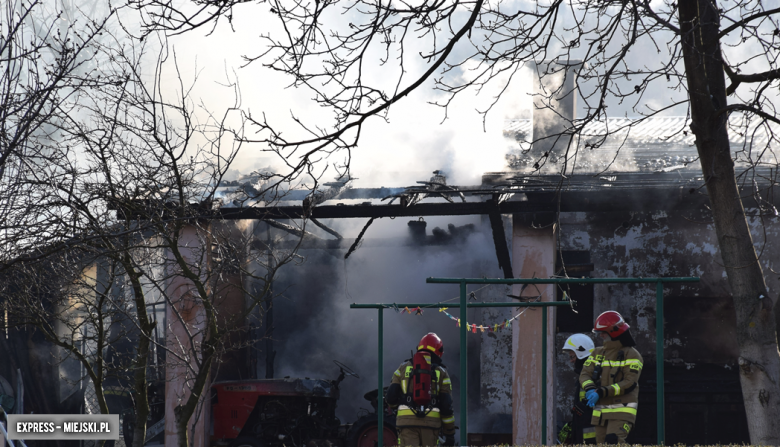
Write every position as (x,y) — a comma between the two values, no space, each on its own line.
(659,358)
(463,367)
(544,375)
(561,280)
(380,388)
(425,306)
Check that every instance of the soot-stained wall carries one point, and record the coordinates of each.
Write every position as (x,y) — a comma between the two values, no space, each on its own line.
(700,344)
(314,325)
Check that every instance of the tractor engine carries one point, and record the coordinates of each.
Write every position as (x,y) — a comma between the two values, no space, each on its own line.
(293,418)
(276,411)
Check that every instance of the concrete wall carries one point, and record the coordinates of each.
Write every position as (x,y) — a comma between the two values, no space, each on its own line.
(534,250)
(699,318)
(185,316)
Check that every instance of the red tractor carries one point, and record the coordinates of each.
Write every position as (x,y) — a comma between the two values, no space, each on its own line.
(292,412)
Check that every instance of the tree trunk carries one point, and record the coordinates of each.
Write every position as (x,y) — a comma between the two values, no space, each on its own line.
(756,325)
(141,361)
(141,387)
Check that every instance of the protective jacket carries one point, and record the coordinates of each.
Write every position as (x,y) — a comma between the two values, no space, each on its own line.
(441,414)
(617,386)
(583,431)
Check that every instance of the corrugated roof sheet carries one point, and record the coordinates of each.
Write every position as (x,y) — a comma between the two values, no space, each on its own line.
(648,144)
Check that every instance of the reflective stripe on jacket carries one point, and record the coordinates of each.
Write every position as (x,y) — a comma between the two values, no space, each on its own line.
(619,377)
(435,418)
(583,431)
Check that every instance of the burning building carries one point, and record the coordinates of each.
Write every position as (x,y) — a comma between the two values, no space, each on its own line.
(637,208)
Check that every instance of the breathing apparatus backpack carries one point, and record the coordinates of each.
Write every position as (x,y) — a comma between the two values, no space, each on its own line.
(421,397)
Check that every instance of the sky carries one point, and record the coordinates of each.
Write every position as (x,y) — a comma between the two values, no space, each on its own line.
(414,141)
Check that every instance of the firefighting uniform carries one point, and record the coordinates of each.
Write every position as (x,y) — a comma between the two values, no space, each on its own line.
(583,430)
(414,430)
(615,412)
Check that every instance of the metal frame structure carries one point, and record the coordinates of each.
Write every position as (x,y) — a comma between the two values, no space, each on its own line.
(464,305)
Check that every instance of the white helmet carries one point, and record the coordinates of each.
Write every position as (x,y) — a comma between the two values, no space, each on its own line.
(581,344)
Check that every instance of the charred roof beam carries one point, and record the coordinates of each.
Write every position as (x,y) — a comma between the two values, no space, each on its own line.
(499,237)
(377,211)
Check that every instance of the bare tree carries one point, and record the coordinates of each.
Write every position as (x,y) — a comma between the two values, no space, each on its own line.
(697,46)
(47,59)
(110,182)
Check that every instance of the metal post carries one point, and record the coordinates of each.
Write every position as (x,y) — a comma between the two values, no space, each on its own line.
(659,357)
(544,375)
(380,389)
(463,367)
(464,305)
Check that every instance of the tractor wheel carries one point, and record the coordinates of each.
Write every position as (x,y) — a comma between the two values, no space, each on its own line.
(364,433)
(246,442)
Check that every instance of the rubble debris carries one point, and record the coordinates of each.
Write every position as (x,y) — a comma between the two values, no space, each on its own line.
(435,187)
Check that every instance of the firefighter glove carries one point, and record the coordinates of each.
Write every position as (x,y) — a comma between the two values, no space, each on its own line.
(592,396)
(449,441)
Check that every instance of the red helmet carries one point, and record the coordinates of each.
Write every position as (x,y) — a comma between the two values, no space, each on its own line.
(431,342)
(610,322)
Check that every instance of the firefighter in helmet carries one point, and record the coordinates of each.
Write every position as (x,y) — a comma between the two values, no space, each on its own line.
(580,430)
(420,425)
(610,379)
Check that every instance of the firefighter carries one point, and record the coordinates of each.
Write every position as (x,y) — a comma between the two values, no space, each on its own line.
(610,379)
(580,347)
(416,427)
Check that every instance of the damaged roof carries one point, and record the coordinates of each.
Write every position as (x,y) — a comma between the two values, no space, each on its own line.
(653,144)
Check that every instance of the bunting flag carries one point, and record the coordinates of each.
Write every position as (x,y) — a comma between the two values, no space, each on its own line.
(496,327)
(470,327)
(416,310)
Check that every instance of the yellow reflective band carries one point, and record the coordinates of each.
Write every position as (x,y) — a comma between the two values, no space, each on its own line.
(636,364)
(446,381)
(628,410)
(582,395)
(432,414)
(405,381)
(586,383)
(596,413)
(589,435)
(617,389)
(449,420)
(430,348)
(397,373)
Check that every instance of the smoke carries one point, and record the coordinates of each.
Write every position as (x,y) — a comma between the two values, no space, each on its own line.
(412,141)
(314,324)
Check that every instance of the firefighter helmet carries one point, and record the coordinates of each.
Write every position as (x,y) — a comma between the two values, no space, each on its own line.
(581,344)
(431,342)
(612,323)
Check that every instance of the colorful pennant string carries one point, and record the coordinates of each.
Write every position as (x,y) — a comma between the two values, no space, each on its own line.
(506,324)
